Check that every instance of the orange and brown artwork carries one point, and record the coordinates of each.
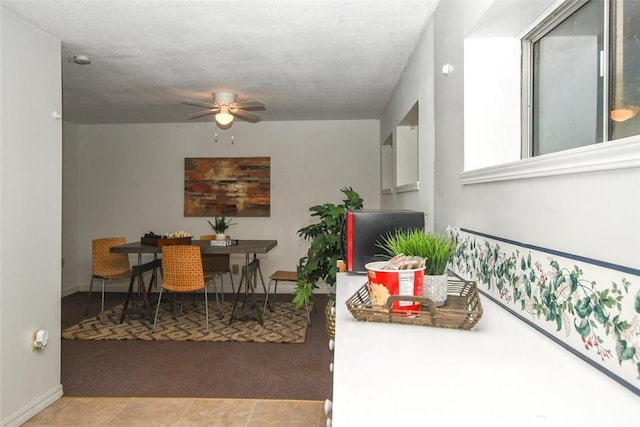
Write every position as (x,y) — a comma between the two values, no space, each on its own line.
(227,186)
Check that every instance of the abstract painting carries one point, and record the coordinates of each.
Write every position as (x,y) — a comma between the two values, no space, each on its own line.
(227,186)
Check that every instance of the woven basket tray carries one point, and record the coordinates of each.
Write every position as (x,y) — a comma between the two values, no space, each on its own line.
(461,311)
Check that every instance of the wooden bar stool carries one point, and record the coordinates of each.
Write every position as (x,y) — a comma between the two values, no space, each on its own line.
(281,276)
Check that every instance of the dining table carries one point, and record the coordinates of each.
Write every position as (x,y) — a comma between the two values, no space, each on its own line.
(248,282)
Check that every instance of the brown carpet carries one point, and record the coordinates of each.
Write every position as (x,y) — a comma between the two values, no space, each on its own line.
(135,368)
(286,324)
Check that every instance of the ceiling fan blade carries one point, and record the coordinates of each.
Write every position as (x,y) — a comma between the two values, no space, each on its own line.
(197,103)
(249,105)
(202,113)
(245,115)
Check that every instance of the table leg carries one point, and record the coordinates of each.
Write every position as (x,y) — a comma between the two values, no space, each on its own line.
(145,295)
(249,278)
(137,273)
(126,301)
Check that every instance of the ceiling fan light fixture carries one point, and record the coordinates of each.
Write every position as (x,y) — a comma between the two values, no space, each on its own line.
(224,117)
(225,109)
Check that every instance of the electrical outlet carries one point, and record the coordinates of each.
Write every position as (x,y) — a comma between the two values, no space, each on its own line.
(235,269)
(39,339)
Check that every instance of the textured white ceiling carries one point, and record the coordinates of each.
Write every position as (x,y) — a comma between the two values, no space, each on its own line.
(305,59)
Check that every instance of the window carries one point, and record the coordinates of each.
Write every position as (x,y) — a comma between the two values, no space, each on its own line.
(498,93)
(581,76)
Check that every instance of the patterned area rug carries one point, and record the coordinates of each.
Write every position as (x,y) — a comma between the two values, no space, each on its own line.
(286,324)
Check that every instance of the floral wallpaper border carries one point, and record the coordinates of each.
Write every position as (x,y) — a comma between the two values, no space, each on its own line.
(592,309)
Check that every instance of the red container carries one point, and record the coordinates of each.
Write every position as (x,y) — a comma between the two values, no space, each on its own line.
(384,283)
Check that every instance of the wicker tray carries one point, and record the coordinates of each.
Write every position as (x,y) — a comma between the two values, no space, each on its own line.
(461,311)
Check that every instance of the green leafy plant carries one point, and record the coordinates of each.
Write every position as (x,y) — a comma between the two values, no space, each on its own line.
(437,249)
(327,240)
(220,224)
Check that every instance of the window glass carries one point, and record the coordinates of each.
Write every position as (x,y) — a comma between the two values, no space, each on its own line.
(624,90)
(568,82)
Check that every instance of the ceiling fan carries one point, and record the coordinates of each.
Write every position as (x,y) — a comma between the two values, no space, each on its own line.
(226,108)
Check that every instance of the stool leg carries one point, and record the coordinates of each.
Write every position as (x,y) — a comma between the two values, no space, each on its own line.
(266,299)
(221,289)
(102,305)
(86,311)
(233,288)
(206,308)
(218,302)
(155,319)
(275,292)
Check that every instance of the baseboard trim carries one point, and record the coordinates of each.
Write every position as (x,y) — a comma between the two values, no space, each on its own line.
(70,291)
(32,409)
(97,287)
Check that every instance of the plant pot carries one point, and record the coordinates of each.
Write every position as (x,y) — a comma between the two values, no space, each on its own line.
(221,236)
(330,318)
(435,288)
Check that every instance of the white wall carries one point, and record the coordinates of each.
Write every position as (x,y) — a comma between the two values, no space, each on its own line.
(30,218)
(415,85)
(590,213)
(129,179)
(70,204)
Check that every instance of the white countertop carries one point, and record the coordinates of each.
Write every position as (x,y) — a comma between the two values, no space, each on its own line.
(501,373)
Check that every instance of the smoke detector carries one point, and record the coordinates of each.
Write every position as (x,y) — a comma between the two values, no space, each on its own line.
(81,60)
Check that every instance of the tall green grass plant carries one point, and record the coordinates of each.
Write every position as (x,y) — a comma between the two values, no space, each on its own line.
(437,249)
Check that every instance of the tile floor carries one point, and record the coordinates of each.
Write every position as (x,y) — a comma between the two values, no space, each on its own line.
(145,411)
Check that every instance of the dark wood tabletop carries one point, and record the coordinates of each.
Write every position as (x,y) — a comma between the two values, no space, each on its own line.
(243,247)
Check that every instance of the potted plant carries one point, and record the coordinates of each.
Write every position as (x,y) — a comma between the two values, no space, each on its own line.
(436,249)
(327,242)
(220,225)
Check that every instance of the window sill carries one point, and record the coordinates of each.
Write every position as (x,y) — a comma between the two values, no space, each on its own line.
(607,156)
(414,186)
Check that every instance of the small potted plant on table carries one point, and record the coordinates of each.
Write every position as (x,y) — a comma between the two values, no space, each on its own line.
(220,225)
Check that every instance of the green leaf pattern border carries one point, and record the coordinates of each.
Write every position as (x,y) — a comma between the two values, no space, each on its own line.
(590,308)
